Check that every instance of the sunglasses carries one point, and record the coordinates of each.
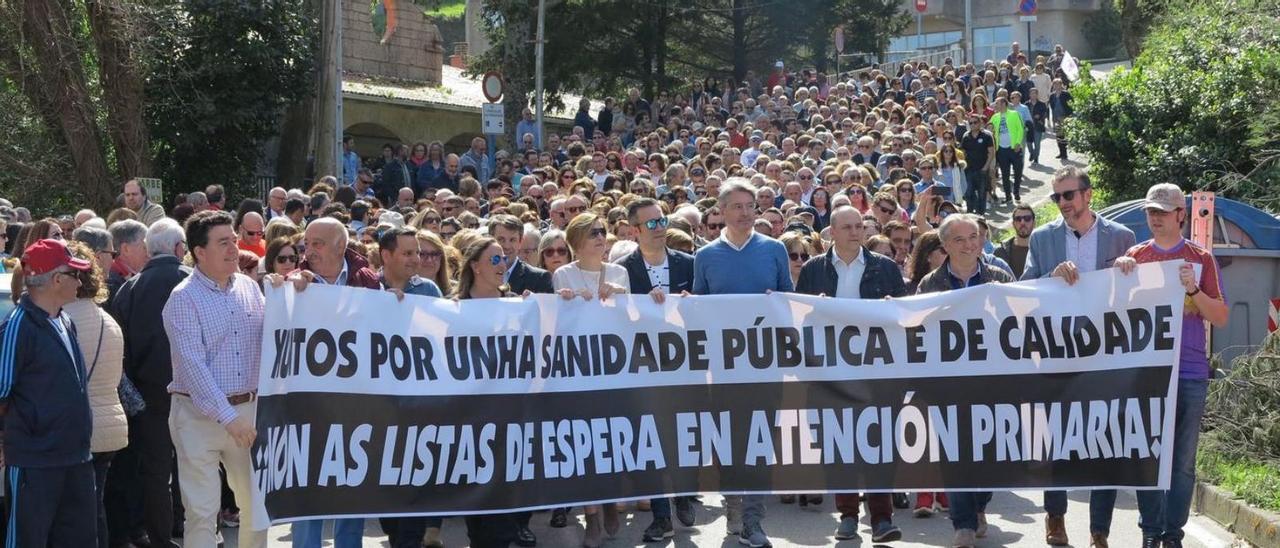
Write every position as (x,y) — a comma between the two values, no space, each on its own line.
(432,220)
(885,210)
(1024,218)
(1068,195)
(497,260)
(715,226)
(575,210)
(597,233)
(802,257)
(254,233)
(555,251)
(281,259)
(653,224)
(430,255)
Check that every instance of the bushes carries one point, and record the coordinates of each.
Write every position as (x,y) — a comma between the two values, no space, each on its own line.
(1200,108)
(1240,448)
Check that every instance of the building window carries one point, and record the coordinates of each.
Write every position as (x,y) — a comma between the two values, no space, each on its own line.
(991,43)
(906,46)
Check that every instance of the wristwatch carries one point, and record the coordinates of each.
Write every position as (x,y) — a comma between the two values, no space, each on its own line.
(1194,293)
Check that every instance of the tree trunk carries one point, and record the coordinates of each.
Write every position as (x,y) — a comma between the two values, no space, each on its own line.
(739,42)
(122,91)
(660,44)
(295,143)
(328,134)
(57,64)
(517,64)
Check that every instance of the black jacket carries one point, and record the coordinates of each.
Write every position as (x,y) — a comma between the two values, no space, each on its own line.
(679,269)
(534,279)
(48,422)
(880,279)
(136,307)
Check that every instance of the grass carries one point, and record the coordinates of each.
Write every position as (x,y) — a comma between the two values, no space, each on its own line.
(449,9)
(1256,482)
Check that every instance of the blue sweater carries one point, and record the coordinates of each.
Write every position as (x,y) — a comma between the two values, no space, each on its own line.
(719,269)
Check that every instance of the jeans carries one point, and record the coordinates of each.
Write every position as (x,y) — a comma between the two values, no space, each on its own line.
(965,507)
(1102,502)
(752,507)
(1010,159)
(101,464)
(1164,513)
(975,194)
(661,507)
(347,533)
(1033,144)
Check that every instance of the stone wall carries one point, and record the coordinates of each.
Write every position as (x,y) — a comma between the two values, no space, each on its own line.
(414,53)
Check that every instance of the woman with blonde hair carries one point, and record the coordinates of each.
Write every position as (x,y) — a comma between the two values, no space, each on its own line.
(434,264)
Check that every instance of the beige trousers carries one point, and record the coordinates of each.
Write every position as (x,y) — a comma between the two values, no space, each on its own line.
(201,444)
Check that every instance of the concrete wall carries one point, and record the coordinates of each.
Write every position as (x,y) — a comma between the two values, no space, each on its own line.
(414,53)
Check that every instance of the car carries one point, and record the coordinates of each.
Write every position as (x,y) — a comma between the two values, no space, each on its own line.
(6,301)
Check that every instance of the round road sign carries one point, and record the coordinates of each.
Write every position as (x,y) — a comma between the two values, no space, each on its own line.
(491,86)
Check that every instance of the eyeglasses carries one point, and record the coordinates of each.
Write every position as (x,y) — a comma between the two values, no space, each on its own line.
(554,251)
(802,257)
(715,226)
(281,259)
(575,209)
(1024,218)
(1067,196)
(497,260)
(254,233)
(806,177)
(857,190)
(430,255)
(653,224)
(597,233)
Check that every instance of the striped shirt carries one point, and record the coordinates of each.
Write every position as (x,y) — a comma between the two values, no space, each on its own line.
(215,339)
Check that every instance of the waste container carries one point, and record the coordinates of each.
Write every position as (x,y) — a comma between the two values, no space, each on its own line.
(1247,247)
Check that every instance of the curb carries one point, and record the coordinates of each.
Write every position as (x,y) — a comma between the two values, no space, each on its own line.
(1259,527)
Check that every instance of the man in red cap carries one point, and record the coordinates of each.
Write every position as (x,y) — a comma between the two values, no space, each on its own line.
(47,419)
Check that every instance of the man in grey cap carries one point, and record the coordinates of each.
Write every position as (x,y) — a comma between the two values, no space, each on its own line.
(1163,514)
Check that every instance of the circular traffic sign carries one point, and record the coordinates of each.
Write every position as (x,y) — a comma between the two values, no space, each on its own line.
(491,86)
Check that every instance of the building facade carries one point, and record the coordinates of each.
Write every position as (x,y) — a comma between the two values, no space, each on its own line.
(995,24)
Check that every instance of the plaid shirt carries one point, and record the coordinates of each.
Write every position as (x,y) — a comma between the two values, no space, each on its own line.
(215,338)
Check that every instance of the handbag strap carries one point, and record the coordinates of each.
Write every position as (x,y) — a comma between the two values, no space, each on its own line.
(102,331)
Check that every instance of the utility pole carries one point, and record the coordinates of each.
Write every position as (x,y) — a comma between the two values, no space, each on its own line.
(328,144)
(539,41)
(968,31)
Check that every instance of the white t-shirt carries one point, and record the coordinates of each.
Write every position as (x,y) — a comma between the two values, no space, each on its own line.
(573,277)
(660,275)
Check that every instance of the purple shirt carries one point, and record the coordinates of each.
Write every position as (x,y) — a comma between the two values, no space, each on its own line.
(215,339)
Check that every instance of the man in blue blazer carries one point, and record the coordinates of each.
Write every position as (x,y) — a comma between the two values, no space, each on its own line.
(1078,242)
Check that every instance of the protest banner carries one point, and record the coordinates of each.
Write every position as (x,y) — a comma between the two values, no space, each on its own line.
(372,407)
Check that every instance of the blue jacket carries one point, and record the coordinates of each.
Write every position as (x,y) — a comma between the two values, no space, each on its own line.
(48,421)
(1049,246)
(881,278)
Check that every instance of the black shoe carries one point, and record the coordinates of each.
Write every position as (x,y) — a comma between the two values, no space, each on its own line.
(525,537)
(900,501)
(1017,198)
(659,530)
(804,500)
(1170,542)
(684,511)
(787,499)
(1151,542)
(559,518)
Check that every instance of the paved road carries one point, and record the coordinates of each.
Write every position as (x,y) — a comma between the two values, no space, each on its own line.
(1036,186)
(1015,520)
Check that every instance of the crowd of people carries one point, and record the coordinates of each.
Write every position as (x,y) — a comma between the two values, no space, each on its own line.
(129,366)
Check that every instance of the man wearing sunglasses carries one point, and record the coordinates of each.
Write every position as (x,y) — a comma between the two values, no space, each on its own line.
(655,269)
(49,423)
(249,234)
(1014,250)
(1078,242)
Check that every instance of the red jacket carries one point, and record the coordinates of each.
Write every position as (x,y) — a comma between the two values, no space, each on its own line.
(358,272)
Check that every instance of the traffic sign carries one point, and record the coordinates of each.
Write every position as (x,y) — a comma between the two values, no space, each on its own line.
(491,86)
(153,187)
(492,119)
(1027,7)
(922,5)
(839,39)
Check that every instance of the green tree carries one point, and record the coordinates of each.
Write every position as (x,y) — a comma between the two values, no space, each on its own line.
(1199,108)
